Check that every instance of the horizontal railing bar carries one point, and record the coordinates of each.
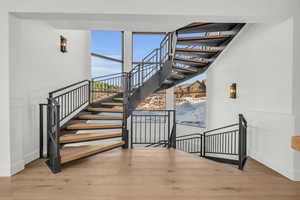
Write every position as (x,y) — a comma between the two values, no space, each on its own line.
(185,139)
(227,132)
(107,75)
(233,154)
(82,86)
(192,134)
(232,125)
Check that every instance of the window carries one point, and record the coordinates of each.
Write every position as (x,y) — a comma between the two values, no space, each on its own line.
(143,44)
(191,100)
(106,44)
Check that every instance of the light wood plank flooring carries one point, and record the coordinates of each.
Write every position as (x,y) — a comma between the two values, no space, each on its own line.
(148,174)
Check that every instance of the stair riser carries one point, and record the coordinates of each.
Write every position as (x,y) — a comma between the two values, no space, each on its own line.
(198,55)
(208,43)
(189,63)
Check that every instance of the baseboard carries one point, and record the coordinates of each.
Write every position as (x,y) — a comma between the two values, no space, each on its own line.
(31,157)
(17,167)
(296,175)
(4,172)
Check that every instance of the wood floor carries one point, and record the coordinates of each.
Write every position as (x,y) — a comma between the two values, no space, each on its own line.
(148,174)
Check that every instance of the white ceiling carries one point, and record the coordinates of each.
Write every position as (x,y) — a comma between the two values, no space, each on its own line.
(132,22)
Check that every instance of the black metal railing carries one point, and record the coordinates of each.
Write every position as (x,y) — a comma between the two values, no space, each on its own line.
(191,143)
(107,86)
(153,62)
(53,127)
(242,141)
(224,140)
(226,144)
(152,127)
(71,98)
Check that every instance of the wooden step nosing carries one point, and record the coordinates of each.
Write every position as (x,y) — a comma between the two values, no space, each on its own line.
(188,69)
(99,117)
(109,110)
(92,126)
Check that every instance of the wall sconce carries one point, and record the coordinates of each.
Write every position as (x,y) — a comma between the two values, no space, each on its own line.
(233,91)
(63,44)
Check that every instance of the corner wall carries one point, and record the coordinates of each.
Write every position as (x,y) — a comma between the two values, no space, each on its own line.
(38,67)
(260,61)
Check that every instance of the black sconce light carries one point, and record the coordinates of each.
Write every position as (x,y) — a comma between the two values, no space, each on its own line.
(63,44)
(233,91)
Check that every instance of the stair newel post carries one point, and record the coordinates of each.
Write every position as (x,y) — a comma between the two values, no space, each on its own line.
(204,138)
(169,46)
(53,126)
(240,142)
(174,130)
(126,84)
(90,91)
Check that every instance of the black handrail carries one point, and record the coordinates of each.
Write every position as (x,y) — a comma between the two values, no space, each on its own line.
(223,127)
(66,87)
(108,75)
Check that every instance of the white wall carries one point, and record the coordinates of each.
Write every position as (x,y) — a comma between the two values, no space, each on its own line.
(37,67)
(260,61)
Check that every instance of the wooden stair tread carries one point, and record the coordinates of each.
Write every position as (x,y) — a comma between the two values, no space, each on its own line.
(116,110)
(197,50)
(73,153)
(83,126)
(207,37)
(192,60)
(177,75)
(79,137)
(111,104)
(190,69)
(99,117)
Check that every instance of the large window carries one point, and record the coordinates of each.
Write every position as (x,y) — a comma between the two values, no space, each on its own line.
(143,44)
(191,102)
(106,44)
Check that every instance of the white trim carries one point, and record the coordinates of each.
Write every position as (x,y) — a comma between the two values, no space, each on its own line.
(17,167)
(31,156)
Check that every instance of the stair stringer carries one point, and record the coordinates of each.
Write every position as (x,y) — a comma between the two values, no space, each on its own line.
(150,86)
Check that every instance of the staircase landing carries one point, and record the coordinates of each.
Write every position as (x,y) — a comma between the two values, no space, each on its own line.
(149,174)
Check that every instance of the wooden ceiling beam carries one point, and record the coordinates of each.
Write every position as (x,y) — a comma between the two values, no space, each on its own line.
(106,57)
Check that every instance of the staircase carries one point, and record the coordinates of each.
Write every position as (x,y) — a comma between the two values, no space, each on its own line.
(91,116)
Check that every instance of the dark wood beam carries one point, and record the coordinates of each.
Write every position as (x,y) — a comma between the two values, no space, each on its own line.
(106,57)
